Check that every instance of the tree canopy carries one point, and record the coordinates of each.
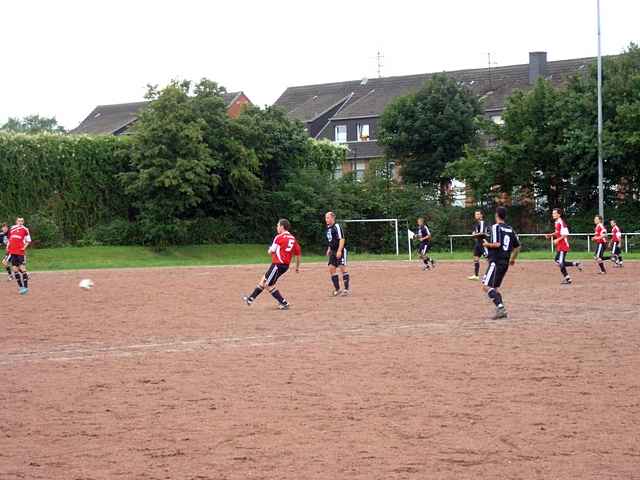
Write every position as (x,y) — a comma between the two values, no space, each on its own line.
(427,130)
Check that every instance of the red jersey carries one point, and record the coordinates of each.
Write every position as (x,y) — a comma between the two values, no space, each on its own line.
(19,236)
(284,247)
(561,229)
(600,230)
(616,234)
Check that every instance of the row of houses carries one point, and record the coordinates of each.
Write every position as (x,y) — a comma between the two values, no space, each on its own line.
(348,112)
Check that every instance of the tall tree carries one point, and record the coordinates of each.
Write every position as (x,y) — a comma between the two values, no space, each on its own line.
(427,130)
(172,166)
(33,124)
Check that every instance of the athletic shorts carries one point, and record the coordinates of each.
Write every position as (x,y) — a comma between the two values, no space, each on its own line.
(561,257)
(274,272)
(600,248)
(479,250)
(615,248)
(16,260)
(424,248)
(495,274)
(338,262)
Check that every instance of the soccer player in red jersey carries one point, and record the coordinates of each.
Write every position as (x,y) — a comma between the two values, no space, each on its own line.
(283,248)
(616,240)
(19,240)
(600,238)
(561,242)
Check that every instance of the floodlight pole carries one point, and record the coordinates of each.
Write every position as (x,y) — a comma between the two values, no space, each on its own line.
(600,165)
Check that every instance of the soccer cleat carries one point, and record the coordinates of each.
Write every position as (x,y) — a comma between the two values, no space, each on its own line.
(247,300)
(283,306)
(566,281)
(433,263)
(10,278)
(501,312)
(602,273)
(23,291)
(579,266)
(336,293)
(425,267)
(473,277)
(345,293)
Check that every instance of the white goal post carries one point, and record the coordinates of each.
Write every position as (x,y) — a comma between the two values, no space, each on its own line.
(386,220)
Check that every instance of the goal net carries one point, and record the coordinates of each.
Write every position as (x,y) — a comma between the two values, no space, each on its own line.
(377,236)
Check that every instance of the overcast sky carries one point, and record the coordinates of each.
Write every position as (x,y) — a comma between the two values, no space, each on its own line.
(62,58)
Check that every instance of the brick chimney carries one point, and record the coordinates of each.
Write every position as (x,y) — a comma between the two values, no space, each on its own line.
(537,66)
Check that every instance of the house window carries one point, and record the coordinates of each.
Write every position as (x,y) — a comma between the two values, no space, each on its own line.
(360,167)
(337,173)
(363,132)
(341,133)
(497,119)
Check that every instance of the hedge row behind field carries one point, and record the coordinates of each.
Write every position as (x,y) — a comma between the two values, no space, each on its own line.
(64,184)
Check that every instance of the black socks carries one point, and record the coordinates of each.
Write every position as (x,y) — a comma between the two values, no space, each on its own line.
(496,297)
(336,282)
(256,292)
(276,294)
(476,267)
(345,279)
(18,277)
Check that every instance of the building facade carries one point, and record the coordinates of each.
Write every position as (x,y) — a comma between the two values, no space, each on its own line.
(348,112)
(117,119)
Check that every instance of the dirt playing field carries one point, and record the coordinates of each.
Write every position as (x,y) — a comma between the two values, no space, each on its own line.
(166,374)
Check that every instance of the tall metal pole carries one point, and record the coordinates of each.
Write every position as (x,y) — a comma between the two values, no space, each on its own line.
(600,165)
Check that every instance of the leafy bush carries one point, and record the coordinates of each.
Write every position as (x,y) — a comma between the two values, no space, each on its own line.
(45,232)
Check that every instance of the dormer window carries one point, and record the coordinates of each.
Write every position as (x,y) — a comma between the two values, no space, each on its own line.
(363,132)
(341,133)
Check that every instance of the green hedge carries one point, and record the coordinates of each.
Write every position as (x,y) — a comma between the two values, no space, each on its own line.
(64,185)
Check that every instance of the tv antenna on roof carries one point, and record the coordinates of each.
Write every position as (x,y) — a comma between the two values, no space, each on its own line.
(491,64)
(379,58)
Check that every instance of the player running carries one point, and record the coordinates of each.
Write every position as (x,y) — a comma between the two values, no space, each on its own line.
(424,237)
(284,247)
(4,243)
(561,242)
(480,233)
(337,253)
(19,240)
(600,239)
(616,239)
(503,247)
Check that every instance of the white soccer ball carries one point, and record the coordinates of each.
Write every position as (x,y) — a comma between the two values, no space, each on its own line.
(86,284)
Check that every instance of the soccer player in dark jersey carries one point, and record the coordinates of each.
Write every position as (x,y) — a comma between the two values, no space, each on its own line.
(480,233)
(600,239)
(503,247)
(616,240)
(4,243)
(283,248)
(337,253)
(424,237)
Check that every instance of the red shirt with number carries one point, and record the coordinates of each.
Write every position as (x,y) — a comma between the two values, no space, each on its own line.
(19,236)
(616,235)
(283,248)
(561,229)
(600,231)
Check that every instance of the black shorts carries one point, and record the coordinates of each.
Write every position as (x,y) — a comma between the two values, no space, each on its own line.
(495,274)
(479,250)
(600,248)
(274,272)
(561,257)
(338,262)
(424,248)
(16,260)
(615,248)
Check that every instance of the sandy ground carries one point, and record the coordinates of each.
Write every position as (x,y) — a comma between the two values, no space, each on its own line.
(166,374)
